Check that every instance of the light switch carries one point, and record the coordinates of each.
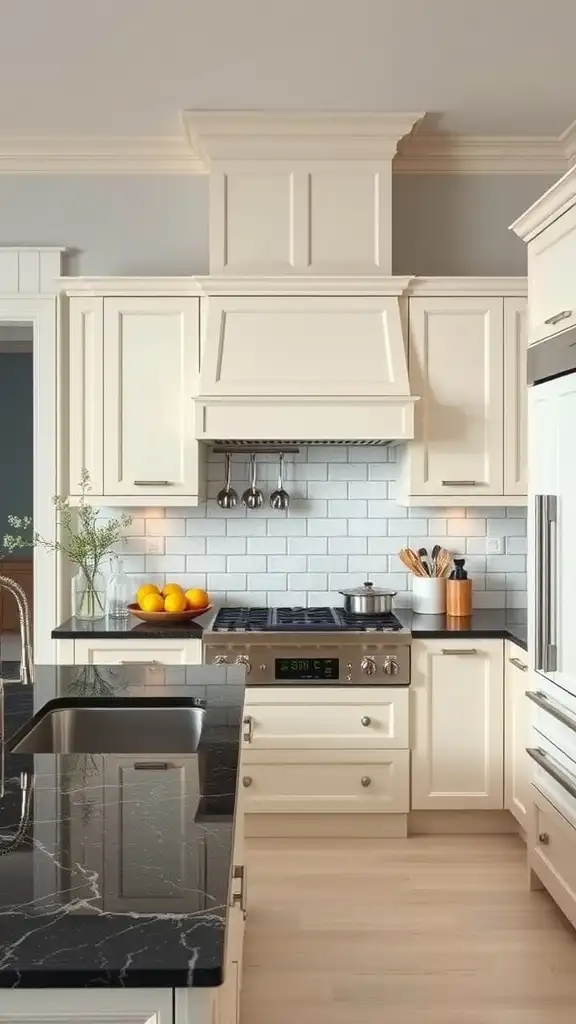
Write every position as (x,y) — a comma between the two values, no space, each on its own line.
(494,545)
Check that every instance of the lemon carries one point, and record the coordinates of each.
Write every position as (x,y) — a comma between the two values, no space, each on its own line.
(147,588)
(197,598)
(175,602)
(172,588)
(152,603)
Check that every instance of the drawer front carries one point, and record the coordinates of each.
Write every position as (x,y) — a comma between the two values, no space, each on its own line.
(309,786)
(553,713)
(110,652)
(552,854)
(383,725)
(553,775)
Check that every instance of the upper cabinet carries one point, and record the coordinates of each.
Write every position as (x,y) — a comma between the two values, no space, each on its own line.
(134,366)
(467,368)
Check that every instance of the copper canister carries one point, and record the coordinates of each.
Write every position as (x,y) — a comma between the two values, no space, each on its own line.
(458,597)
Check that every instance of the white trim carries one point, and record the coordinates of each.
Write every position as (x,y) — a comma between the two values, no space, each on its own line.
(130,286)
(470,286)
(239,135)
(568,140)
(114,154)
(22,269)
(480,154)
(559,198)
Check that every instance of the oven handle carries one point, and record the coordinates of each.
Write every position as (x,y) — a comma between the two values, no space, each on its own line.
(542,700)
(553,768)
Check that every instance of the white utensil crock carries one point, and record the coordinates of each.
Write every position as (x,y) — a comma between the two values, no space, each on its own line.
(429,595)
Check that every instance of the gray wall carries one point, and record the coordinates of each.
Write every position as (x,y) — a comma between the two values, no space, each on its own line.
(16,438)
(455,225)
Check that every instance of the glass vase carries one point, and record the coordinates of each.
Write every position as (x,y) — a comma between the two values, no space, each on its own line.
(89,594)
(119,591)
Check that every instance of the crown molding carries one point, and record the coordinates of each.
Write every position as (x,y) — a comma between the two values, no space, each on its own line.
(480,154)
(556,201)
(568,141)
(217,136)
(470,286)
(97,155)
(301,285)
(130,286)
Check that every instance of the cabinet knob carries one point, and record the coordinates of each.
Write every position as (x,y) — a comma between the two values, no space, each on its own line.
(248,723)
(247,781)
(543,838)
(365,780)
(365,720)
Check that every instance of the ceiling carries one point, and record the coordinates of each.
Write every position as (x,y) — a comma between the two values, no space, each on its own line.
(128,67)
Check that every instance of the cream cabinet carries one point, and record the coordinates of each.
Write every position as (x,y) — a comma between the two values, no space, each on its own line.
(552,854)
(457,724)
(134,368)
(517,796)
(151,654)
(467,367)
(88,1006)
(552,277)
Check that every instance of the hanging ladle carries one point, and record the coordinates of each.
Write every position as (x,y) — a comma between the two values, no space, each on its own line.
(252,497)
(280,499)
(227,497)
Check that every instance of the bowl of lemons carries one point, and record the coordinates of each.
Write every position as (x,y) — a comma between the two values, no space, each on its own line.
(171,603)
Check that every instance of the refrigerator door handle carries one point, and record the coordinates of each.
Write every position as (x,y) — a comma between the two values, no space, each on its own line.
(550,518)
(545,649)
(539,615)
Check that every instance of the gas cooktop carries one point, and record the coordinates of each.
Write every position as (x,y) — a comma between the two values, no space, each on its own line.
(301,620)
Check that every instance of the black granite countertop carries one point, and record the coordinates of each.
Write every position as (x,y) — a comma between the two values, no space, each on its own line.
(110,629)
(499,623)
(122,878)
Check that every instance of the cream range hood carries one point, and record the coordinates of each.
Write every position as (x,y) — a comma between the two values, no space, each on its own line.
(301,321)
(305,367)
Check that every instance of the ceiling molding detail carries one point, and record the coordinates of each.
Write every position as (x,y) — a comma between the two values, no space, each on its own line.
(230,135)
(480,154)
(556,201)
(113,154)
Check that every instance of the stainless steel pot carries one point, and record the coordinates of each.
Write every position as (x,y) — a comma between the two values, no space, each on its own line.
(368,600)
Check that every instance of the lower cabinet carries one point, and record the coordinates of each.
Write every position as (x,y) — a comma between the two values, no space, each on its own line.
(88,1006)
(552,853)
(457,724)
(130,652)
(517,707)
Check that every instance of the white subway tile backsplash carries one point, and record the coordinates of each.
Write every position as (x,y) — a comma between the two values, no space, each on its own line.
(307,545)
(266,545)
(268,581)
(343,525)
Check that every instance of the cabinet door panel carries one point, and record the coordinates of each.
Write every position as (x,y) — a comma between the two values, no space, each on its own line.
(517,734)
(457,371)
(151,362)
(552,277)
(515,397)
(86,1006)
(154,654)
(322,726)
(86,392)
(151,858)
(457,705)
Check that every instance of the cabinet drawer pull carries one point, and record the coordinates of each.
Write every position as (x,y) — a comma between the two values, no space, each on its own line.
(460,483)
(239,898)
(365,780)
(518,664)
(152,483)
(151,766)
(542,700)
(365,720)
(543,838)
(248,723)
(563,315)
(128,661)
(247,781)
(466,652)
(554,769)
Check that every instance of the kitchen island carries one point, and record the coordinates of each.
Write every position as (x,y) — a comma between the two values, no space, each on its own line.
(127,872)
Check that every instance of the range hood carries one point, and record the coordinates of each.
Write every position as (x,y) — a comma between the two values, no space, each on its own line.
(302,324)
(305,367)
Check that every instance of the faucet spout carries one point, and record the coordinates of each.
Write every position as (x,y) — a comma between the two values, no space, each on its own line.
(27,660)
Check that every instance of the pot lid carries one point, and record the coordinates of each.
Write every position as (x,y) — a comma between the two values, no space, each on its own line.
(367,590)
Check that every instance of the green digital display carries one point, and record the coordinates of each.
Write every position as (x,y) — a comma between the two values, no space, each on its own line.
(307,668)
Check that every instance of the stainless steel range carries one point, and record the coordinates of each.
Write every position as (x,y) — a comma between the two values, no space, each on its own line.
(288,646)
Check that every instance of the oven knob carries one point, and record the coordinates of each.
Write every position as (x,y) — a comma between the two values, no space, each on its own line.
(243,659)
(390,667)
(220,659)
(368,666)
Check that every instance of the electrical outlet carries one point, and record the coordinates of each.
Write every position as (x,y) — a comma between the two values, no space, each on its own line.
(154,545)
(494,545)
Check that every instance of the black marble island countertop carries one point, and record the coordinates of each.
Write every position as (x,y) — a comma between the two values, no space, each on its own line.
(132,628)
(498,623)
(123,875)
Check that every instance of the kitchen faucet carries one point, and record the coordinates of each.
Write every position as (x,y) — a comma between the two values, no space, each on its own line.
(26,661)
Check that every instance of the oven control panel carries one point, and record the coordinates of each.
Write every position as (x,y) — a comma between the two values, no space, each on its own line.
(276,665)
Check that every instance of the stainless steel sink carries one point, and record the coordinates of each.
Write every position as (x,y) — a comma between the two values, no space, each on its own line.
(112,727)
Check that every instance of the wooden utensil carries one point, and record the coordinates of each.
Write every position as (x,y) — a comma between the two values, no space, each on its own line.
(410,559)
(443,563)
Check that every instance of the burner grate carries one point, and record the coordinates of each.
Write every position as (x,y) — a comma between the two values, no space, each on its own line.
(322,619)
(384,623)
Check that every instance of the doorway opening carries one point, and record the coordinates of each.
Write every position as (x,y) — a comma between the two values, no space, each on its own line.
(16,478)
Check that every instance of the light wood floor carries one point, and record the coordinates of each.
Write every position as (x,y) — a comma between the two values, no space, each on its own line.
(431,930)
